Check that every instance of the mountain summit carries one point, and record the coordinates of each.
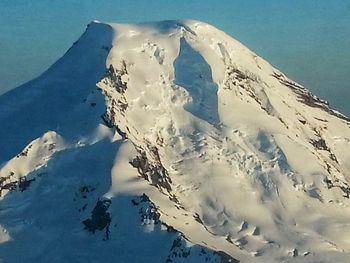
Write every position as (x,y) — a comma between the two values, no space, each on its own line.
(170,142)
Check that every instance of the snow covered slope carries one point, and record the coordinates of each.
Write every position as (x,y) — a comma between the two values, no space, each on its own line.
(191,148)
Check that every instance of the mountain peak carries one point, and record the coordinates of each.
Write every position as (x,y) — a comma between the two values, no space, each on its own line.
(175,132)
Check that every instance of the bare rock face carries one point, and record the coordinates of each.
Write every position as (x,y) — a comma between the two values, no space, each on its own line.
(100,218)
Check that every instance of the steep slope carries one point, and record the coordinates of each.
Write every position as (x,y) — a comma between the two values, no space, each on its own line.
(192,149)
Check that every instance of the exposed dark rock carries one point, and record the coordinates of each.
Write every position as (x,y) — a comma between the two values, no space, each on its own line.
(148,163)
(179,249)
(134,202)
(141,164)
(320,144)
(307,97)
(170,229)
(302,121)
(145,198)
(333,157)
(239,75)
(23,183)
(344,188)
(86,189)
(114,76)
(123,70)
(12,184)
(110,124)
(24,152)
(198,219)
(107,121)
(174,199)
(100,218)
(320,119)
(122,105)
(117,101)
(149,214)
(285,81)
(148,210)
(228,239)
(152,172)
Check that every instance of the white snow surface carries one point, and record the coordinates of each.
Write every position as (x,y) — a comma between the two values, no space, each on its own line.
(232,154)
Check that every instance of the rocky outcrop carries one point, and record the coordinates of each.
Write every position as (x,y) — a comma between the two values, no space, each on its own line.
(100,218)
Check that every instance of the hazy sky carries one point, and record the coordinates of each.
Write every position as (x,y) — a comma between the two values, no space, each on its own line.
(309,40)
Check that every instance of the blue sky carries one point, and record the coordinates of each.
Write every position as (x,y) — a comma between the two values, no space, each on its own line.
(307,39)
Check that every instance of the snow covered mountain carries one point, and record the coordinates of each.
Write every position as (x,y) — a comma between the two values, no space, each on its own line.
(170,142)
